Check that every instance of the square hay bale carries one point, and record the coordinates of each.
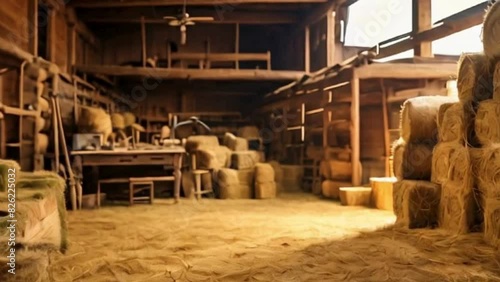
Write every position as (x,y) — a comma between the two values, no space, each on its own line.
(229,184)
(264,173)
(416,203)
(355,196)
(246,176)
(442,157)
(244,159)
(457,124)
(235,143)
(475,82)
(331,189)
(382,191)
(419,116)
(492,222)
(265,190)
(487,122)
(213,157)
(246,191)
(30,265)
(194,143)
(458,207)
(249,132)
(412,161)
(486,169)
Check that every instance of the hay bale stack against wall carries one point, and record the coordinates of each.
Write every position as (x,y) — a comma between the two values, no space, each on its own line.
(265,186)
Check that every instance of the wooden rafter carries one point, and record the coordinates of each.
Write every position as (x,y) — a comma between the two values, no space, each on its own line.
(453,24)
(137,3)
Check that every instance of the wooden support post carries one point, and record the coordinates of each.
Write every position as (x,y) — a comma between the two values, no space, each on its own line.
(355,132)
(51,36)
(72,36)
(307,50)
(237,45)
(143,41)
(422,20)
(387,136)
(33,27)
(330,37)
(169,55)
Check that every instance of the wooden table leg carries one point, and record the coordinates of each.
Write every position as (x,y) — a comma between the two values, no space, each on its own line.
(178,176)
(77,167)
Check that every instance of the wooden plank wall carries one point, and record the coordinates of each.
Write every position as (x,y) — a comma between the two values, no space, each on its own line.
(14,22)
(60,40)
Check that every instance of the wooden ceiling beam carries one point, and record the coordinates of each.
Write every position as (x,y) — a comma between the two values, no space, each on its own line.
(242,17)
(453,24)
(192,74)
(215,3)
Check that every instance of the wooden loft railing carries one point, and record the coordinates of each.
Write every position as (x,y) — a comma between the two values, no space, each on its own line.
(206,59)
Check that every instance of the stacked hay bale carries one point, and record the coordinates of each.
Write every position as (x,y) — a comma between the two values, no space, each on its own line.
(452,163)
(41,223)
(34,97)
(278,176)
(95,120)
(412,164)
(265,186)
(486,161)
(335,171)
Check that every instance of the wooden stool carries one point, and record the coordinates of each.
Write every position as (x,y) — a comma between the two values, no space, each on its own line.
(107,181)
(197,178)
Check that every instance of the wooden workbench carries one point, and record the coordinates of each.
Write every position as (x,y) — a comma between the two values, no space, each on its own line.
(166,156)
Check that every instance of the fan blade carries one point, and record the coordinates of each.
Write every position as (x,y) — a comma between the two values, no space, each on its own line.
(189,23)
(175,23)
(201,19)
(169,18)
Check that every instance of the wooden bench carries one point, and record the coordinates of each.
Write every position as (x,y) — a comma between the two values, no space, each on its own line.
(144,183)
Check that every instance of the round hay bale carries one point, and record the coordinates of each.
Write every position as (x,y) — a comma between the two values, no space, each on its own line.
(486,165)
(474,81)
(457,123)
(43,105)
(95,120)
(324,170)
(228,184)
(264,173)
(487,122)
(43,143)
(491,32)
(412,161)
(117,121)
(129,118)
(314,152)
(40,124)
(442,110)
(492,222)
(331,189)
(419,116)
(441,156)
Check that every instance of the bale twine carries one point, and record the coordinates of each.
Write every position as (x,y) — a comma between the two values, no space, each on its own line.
(193,143)
(418,118)
(416,203)
(228,183)
(491,32)
(95,120)
(43,143)
(244,159)
(117,121)
(264,173)
(235,143)
(248,132)
(128,118)
(487,123)
(412,161)
(454,125)
(492,222)
(474,81)
(213,157)
(331,189)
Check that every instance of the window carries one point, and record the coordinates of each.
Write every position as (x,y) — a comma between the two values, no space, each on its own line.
(442,9)
(43,25)
(370,22)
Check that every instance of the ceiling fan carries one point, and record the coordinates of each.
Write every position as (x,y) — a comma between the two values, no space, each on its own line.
(184,20)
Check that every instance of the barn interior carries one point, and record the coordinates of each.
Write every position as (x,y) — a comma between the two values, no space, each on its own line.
(249,140)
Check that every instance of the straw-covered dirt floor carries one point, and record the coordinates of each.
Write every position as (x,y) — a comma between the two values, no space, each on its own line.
(295,238)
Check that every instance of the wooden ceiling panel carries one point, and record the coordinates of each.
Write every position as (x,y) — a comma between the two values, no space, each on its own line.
(137,3)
